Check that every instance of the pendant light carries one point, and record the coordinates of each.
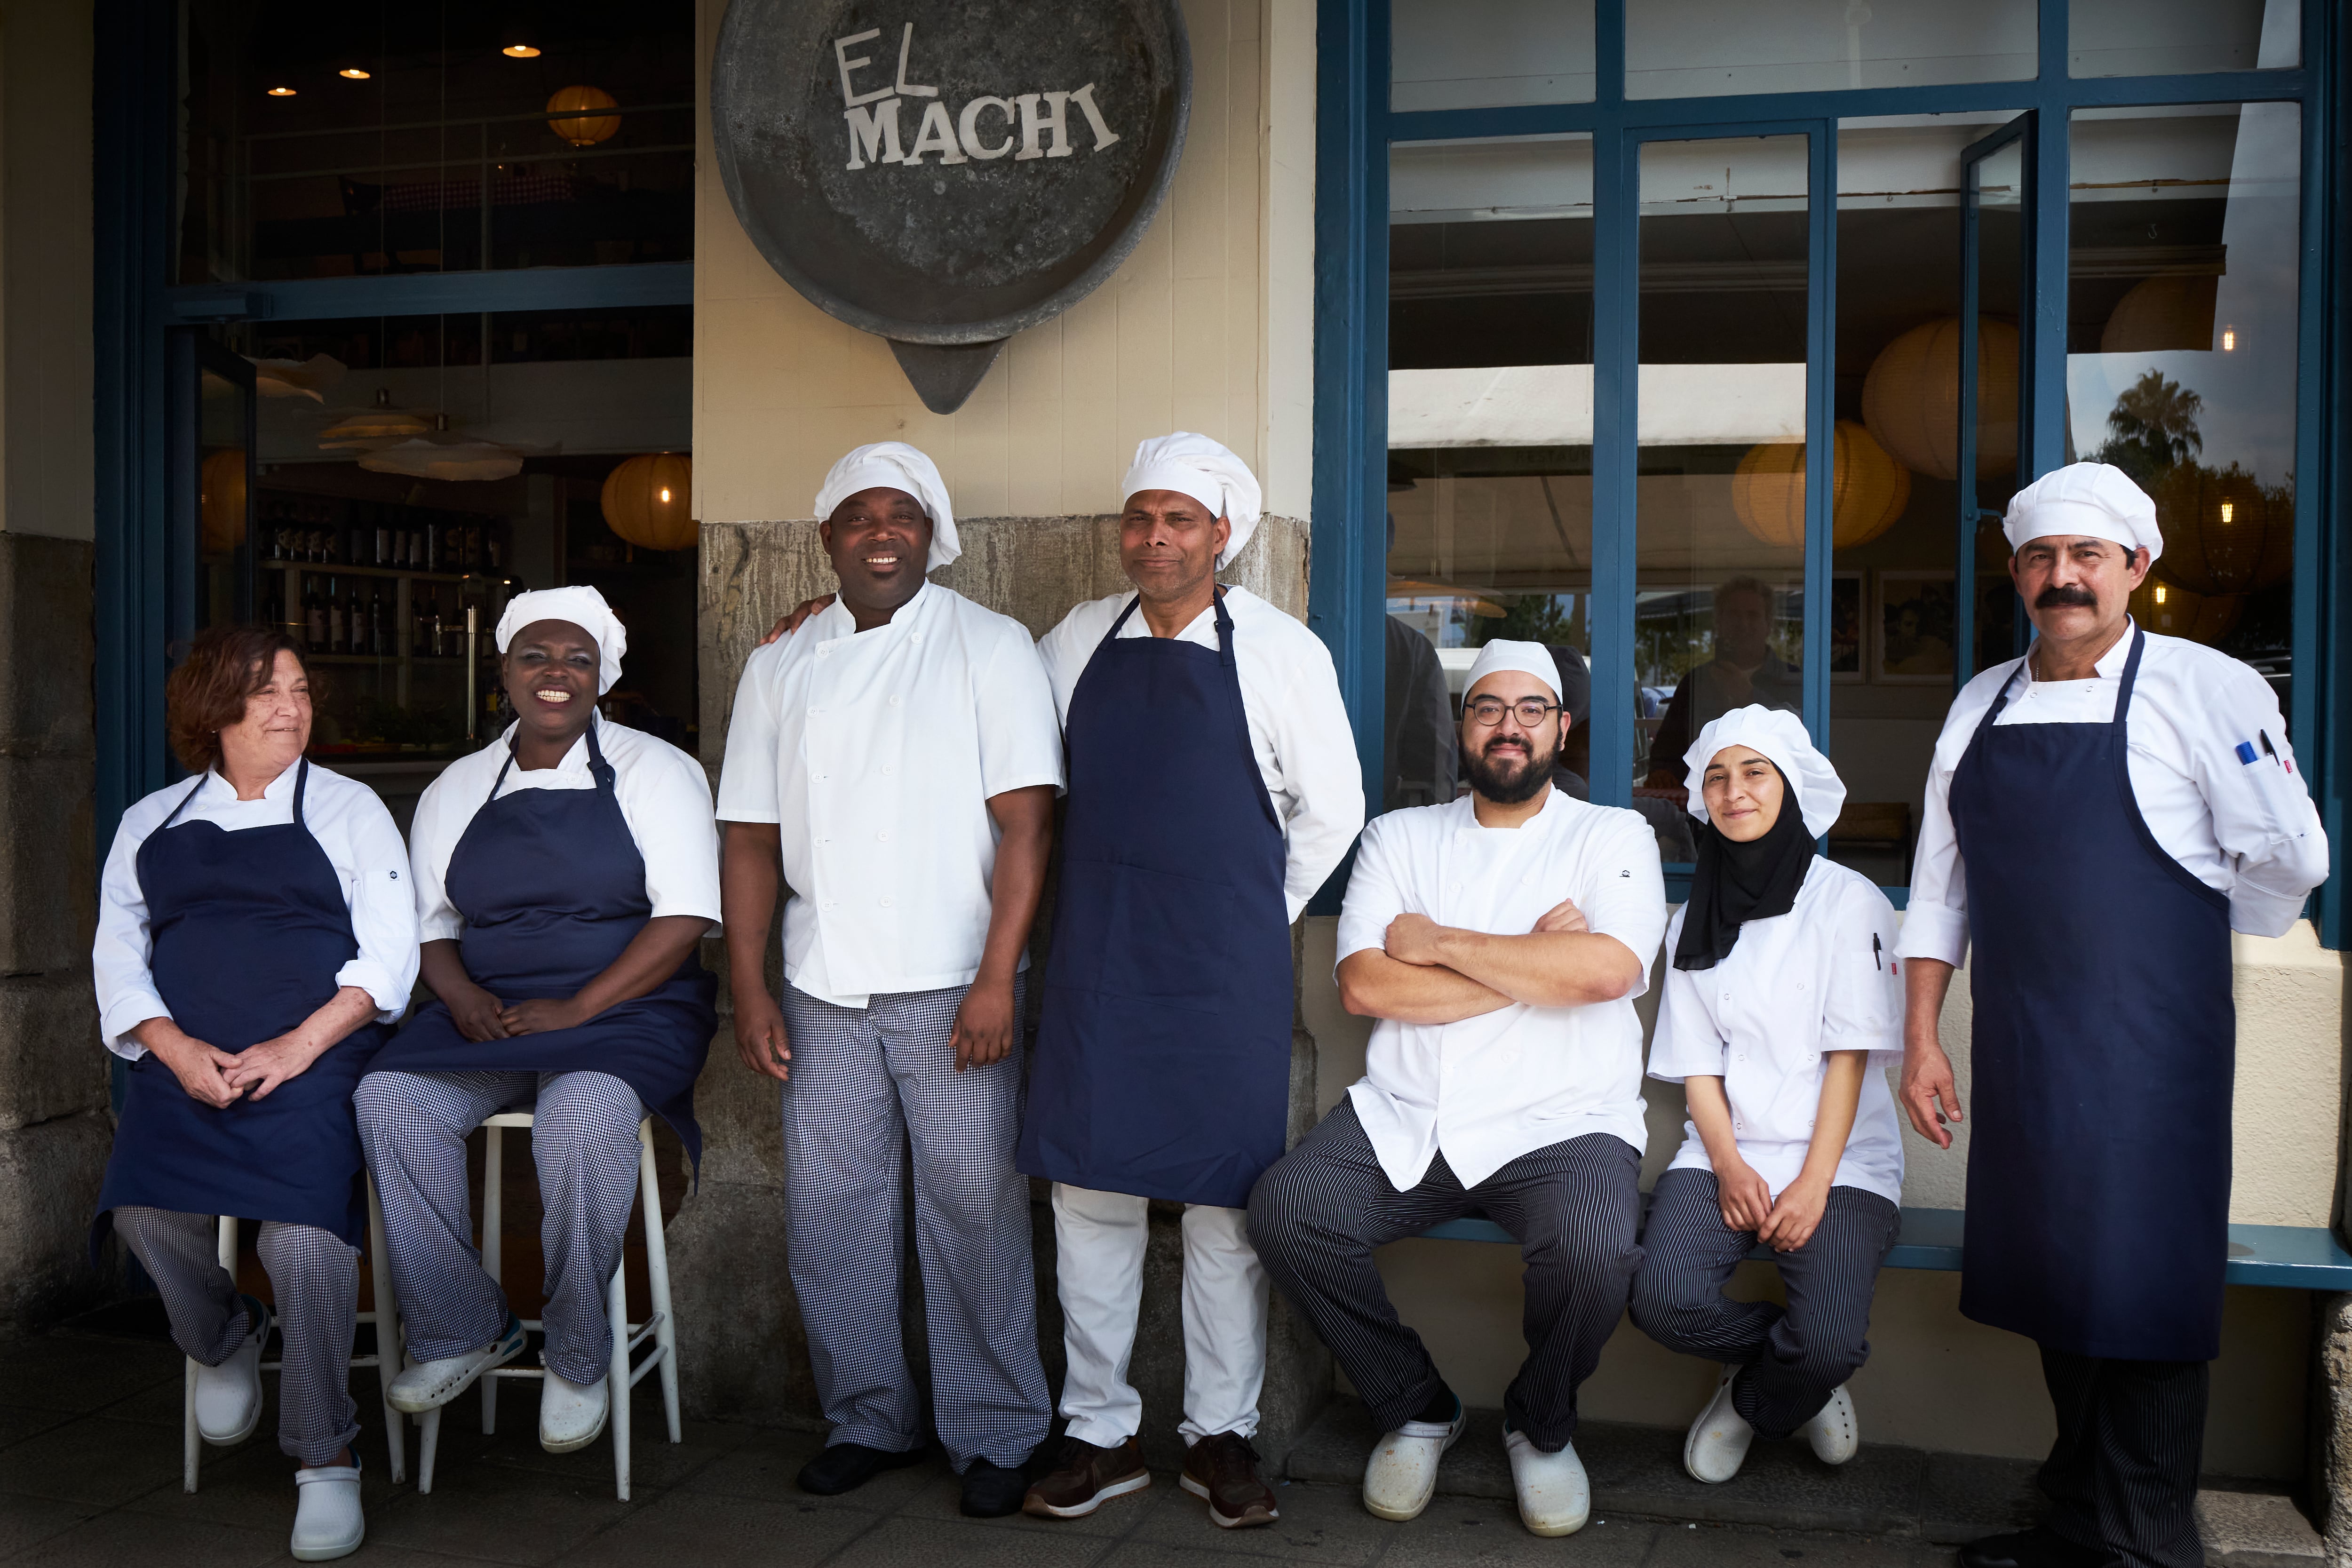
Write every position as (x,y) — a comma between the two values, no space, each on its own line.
(1868,490)
(1911,398)
(570,115)
(649,501)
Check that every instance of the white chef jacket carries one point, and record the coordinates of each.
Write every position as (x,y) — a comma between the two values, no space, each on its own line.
(2235,815)
(1297,723)
(1490,1089)
(1821,978)
(664,799)
(876,753)
(361,842)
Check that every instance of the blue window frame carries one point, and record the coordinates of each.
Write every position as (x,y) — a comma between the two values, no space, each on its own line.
(1357,129)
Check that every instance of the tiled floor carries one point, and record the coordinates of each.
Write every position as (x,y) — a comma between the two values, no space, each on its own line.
(89,1462)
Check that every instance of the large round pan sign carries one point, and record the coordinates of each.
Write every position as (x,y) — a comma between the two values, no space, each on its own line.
(945,172)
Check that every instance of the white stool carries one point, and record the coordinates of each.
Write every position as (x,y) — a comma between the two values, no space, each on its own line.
(384,1360)
(661,1327)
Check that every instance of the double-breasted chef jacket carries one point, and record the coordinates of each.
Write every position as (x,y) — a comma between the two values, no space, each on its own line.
(876,753)
(1490,1089)
(1796,987)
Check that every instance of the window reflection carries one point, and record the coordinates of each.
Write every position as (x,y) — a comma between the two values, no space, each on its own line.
(1708,48)
(2168,37)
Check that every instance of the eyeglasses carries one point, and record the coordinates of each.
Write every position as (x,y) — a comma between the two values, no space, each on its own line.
(1528,711)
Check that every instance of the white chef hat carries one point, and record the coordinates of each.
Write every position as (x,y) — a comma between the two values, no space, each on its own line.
(1780,736)
(2096,500)
(901,467)
(583,607)
(1197,466)
(1528,658)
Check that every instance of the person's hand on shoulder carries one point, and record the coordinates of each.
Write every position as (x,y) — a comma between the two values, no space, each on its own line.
(786,624)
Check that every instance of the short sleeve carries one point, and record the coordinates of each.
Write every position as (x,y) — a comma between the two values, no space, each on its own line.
(1020,732)
(1376,893)
(748,781)
(1863,1009)
(1629,891)
(432,833)
(665,800)
(1686,1043)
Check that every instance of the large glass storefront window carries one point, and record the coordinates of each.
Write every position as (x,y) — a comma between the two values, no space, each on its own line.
(2172,38)
(1475,54)
(1709,48)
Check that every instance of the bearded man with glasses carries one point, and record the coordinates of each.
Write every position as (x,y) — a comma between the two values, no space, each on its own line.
(1500,939)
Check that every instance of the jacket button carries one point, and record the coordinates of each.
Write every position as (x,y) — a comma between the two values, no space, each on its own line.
(887,769)
(884,902)
(882,837)
(894,699)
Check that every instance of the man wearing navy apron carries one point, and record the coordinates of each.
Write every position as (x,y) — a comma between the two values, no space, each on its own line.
(2101,815)
(1214,785)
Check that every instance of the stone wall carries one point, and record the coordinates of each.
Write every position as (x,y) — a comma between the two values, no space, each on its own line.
(743,1351)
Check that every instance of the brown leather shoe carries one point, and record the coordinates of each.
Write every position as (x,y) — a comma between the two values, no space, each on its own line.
(1084,1475)
(1223,1470)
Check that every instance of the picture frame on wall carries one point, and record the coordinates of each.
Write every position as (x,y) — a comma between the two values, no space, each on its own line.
(1849,648)
(1911,628)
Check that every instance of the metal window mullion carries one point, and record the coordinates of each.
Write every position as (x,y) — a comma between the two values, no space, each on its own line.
(1616,411)
(2042,346)
(2317,640)
(1821,423)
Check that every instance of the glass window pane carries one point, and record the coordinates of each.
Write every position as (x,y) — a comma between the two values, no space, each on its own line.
(1719,618)
(1472,54)
(2167,37)
(1490,436)
(1712,48)
(2180,363)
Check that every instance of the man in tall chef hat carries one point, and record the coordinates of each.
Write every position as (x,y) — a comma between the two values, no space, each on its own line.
(899,754)
(2100,815)
(1214,784)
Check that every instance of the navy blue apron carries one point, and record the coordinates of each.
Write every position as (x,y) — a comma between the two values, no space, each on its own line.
(1162,1065)
(552,888)
(2104,1054)
(248,931)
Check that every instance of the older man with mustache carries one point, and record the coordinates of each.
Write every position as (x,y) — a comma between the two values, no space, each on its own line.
(2101,815)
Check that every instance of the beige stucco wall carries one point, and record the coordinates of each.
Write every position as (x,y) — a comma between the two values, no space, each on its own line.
(48,466)
(1935,1378)
(1209,326)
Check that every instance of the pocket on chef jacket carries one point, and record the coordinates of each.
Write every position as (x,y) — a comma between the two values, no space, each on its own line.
(1179,929)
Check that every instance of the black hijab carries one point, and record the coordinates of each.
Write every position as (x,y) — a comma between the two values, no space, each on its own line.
(1739,882)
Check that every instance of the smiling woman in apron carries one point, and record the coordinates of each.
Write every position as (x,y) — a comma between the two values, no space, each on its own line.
(255,940)
(563,877)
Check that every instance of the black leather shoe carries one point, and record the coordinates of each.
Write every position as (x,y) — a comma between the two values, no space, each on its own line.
(845,1467)
(991,1492)
(2037,1548)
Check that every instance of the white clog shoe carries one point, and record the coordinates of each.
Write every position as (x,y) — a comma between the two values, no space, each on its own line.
(571,1415)
(1555,1498)
(430,1385)
(1718,1439)
(1833,1432)
(228,1396)
(1401,1474)
(328,1523)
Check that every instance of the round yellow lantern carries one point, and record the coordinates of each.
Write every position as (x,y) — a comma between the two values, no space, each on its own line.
(1868,491)
(571,115)
(1911,398)
(649,501)
(220,500)
(2222,533)
(2177,612)
(2168,311)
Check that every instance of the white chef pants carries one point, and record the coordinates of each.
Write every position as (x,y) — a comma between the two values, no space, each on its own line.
(1099,1239)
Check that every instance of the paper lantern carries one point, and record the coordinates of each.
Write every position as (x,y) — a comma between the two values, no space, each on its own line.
(1911,398)
(649,501)
(2177,612)
(2223,533)
(569,115)
(1869,490)
(220,500)
(2171,310)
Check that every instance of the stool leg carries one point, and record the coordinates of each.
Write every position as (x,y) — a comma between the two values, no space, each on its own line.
(616,1377)
(493,1236)
(429,1439)
(190,1444)
(658,1278)
(387,1334)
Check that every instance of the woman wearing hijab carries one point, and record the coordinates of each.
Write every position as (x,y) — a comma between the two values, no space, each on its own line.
(563,877)
(1781,1011)
(255,942)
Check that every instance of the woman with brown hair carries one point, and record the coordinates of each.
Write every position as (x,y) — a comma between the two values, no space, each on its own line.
(255,942)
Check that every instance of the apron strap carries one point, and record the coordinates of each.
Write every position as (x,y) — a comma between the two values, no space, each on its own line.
(186,799)
(500,783)
(598,768)
(301,783)
(1122,617)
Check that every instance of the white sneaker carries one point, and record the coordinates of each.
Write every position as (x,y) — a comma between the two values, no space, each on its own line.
(1833,1432)
(228,1396)
(571,1415)
(1555,1499)
(327,1520)
(1401,1474)
(1718,1439)
(430,1385)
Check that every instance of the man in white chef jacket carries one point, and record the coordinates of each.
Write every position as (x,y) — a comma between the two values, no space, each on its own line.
(899,754)
(2101,815)
(1500,939)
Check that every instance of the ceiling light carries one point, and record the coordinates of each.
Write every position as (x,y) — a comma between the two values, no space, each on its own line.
(519,52)
(2229,340)
(2229,511)
(353,72)
(281,93)
(2160,593)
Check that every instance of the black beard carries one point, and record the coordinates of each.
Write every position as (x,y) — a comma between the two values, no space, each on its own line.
(1503,787)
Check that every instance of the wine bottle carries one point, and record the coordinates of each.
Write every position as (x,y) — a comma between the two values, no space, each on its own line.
(355,616)
(314,618)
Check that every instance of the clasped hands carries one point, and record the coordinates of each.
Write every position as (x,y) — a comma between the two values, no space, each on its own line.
(1417,939)
(481,1017)
(1784,1225)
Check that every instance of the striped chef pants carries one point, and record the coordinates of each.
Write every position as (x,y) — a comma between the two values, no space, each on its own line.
(868,1084)
(1318,1213)
(2122,1478)
(584,1139)
(315,1275)
(1792,1360)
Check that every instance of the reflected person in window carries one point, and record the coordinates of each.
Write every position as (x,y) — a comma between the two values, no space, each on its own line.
(1744,669)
